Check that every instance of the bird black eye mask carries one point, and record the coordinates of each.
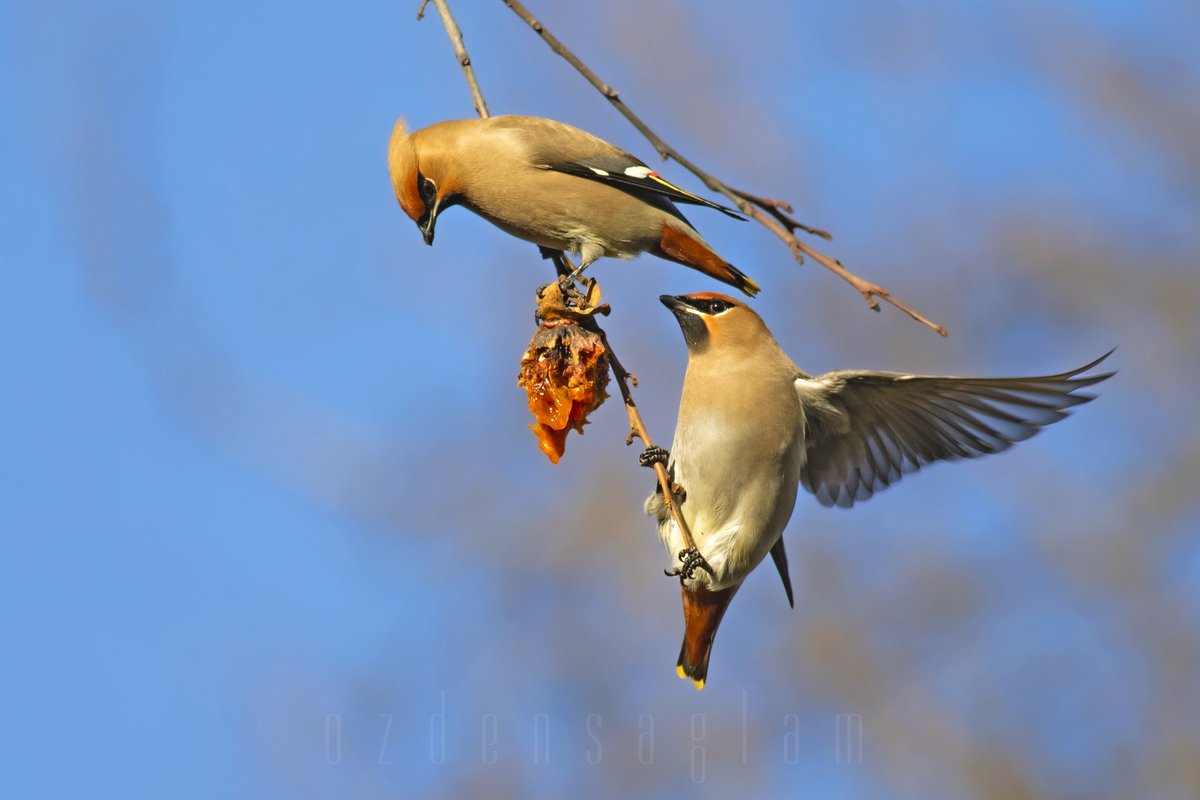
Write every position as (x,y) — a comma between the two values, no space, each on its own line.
(427,188)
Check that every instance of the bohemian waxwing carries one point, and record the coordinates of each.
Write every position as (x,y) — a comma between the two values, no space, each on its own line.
(551,184)
(753,427)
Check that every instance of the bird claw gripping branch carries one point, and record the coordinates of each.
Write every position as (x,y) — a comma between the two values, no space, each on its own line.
(690,560)
(565,368)
(563,301)
(653,455)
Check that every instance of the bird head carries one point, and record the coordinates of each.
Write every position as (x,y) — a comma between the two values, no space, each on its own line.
(422,177)
(710,319)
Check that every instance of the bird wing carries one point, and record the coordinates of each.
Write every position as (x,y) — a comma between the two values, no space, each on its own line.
(624,171)
(557,146)
(867,429)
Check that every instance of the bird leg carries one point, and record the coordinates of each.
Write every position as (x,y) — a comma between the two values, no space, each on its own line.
(567,272)
(653,455)
(660,455)
(690,560)
(577,273)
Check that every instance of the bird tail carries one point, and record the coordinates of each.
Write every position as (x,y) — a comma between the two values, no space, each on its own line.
(679,245)
(702,613)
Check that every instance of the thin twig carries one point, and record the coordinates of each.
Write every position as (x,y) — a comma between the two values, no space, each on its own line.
(778,222)
(637,429)
(460,50)
(781,210)
(636,426)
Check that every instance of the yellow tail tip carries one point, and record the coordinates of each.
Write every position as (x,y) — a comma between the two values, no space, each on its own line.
(697,682)
(743,281)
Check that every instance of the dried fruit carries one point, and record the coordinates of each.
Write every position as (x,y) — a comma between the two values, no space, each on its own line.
(564,373)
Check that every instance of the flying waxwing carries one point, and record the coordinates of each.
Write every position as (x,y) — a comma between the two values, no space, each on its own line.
(753,427)
(554,185)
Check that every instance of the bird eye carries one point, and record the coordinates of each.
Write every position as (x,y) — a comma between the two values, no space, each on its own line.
(716,306)
(427,188)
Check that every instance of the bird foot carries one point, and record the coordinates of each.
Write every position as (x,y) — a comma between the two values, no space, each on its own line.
(557,301)
(690,560)
(569,284)
(653,455)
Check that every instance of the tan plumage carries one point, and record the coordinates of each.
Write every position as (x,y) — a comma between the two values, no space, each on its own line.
(753,427)
(551,184)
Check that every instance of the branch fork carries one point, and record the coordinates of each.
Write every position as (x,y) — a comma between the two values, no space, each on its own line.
(772,214)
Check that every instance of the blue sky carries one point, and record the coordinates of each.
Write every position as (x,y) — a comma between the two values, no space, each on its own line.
(267,475)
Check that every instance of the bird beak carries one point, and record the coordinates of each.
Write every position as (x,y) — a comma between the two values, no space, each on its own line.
(675,304)
(695,332)
(427,222)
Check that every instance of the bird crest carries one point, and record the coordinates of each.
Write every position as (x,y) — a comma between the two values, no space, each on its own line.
(402,164)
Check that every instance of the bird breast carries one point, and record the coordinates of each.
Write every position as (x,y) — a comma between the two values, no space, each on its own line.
(740,475)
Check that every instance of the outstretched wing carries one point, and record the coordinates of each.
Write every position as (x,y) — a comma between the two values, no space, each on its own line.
(867,429)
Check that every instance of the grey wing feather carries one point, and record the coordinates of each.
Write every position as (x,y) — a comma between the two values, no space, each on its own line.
(565,148)
(626,172)
(868,429)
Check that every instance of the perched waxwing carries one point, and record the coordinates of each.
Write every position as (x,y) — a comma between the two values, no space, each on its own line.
(554,185)
(753,427)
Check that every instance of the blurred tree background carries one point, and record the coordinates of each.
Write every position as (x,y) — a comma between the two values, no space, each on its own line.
(274,523)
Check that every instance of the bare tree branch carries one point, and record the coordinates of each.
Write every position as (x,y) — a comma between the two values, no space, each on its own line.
(770,213)
(781,210)
(460,50)
(637,428)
